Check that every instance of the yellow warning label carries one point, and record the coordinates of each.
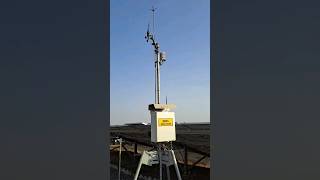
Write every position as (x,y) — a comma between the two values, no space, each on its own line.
(165,122)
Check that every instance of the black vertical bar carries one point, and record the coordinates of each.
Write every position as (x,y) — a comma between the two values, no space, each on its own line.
(185,160)
(135,148)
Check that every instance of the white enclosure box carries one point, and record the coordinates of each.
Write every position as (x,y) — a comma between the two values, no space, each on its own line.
(163,127)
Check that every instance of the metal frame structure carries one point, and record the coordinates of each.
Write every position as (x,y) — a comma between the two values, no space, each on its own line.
(161,157)
(187,170)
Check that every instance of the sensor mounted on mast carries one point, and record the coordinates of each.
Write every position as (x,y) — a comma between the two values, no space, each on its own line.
(162,119)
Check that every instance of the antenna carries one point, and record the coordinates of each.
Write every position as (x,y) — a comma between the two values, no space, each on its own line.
(153,12)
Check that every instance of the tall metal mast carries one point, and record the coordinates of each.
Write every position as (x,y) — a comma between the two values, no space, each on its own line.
(159,57)
(162,120)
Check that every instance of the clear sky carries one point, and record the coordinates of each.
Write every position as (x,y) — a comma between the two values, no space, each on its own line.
(182,29)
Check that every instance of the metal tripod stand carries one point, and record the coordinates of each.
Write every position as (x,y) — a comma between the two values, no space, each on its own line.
(162,155)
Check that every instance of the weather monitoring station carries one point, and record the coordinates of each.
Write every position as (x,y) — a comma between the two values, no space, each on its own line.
(163,147)
(163,130)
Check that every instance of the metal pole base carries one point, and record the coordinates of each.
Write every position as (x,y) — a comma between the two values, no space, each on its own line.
(167,157)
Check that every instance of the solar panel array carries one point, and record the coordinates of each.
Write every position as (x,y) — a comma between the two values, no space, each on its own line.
(196,136)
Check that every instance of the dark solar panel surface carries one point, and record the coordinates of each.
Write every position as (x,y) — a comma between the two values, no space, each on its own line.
(193,135)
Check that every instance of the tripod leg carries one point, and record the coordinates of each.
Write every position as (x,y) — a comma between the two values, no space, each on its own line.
(160,162)
(139,166)
(168,172)
(175,164)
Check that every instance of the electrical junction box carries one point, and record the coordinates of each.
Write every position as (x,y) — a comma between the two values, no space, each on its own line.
(163,127)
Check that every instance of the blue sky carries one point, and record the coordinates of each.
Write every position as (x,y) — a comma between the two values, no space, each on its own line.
(182,29)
